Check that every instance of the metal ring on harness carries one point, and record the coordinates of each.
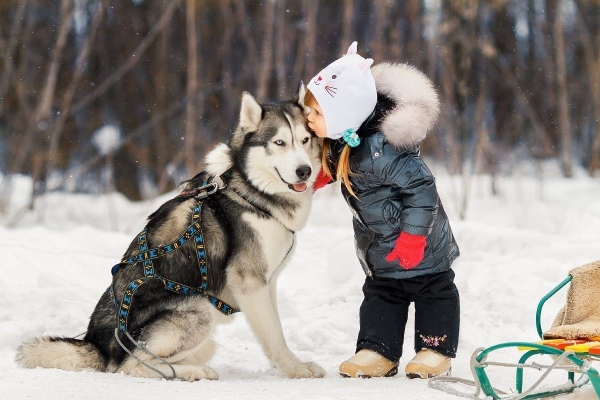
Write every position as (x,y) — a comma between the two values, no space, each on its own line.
(215,186)
(202,191)
(221,186)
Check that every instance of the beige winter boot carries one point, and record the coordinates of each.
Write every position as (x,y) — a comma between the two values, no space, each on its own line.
(368,364)
(427,364)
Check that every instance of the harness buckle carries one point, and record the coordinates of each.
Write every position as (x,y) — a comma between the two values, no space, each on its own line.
(204,192)
(208,187)
(221,181)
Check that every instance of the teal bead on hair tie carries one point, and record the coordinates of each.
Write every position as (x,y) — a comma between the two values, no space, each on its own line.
(351,138)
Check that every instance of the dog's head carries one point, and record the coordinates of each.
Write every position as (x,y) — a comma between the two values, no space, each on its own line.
(271,147)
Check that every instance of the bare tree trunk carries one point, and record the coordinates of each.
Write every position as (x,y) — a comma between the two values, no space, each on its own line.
(415,42)
(8,50)
(192,88)
(485,152)
(69,93)
(266,52)
(595,154)
(243,21)
(449,116)
(592,61)
(594,71)
(347,27)
(382,8)
(44,106)
(280,50)
(203,76)
(566,141)
(508,78)
(132,60)
(305,50)
(311,40)
(161,133)
(395,35)
(548,108)
(47,97)
(229,94)
(433,48)
(480,125)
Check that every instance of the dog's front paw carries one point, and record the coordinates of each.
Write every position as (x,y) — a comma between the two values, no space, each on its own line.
(196,373)
(306,370)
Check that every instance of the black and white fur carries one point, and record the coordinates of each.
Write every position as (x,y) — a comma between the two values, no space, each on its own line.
(248,230)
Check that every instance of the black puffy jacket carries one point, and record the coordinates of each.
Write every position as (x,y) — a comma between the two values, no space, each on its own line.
(395,189)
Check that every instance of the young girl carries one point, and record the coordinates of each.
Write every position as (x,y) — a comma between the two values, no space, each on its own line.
(373,121)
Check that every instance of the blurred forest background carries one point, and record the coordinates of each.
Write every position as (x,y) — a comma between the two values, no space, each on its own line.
(128,95)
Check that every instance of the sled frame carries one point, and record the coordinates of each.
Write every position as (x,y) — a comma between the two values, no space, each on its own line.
(586,372)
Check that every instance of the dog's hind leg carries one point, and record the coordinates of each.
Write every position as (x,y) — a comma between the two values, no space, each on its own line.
(180,336)
(201,354)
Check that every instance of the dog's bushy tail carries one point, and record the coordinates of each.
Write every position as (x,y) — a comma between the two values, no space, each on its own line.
(63,353)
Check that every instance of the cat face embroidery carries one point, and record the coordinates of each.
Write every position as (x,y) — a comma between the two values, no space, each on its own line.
(345,70)
(329,85)
(343,86)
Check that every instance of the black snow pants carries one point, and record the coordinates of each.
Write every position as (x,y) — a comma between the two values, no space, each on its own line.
(384,312)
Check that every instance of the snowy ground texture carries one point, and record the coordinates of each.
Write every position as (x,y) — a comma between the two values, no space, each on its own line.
(515,247)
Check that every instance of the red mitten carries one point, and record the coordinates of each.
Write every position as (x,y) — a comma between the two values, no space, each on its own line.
(408,250)
(322,180)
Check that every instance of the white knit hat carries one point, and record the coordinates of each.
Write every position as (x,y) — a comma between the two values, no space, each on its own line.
(345,90)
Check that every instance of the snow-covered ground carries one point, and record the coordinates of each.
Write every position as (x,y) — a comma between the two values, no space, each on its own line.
(515,246)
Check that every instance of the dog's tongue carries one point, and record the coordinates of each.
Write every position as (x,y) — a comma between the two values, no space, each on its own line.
(299,187)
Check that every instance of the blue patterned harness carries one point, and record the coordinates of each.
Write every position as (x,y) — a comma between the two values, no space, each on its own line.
(146,256)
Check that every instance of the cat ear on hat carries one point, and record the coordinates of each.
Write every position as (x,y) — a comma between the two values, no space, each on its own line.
(353,48)
(365,64)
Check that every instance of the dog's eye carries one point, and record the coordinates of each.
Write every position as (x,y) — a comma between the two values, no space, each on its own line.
(305,140)
(280,142)
(333,76)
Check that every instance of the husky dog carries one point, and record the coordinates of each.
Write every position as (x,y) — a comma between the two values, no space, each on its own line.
(248,226)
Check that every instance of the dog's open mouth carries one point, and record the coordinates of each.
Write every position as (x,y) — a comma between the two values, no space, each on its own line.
(298,187)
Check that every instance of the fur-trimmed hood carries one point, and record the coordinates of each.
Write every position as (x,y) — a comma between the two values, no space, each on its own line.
(416,103)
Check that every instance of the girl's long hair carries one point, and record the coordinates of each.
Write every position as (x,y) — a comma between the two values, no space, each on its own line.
(342,169)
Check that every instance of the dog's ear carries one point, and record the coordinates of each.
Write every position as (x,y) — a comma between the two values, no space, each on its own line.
(250,113)
(301,95)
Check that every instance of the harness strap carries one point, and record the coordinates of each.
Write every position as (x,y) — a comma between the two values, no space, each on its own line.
(124,307)
(200,251)
(163,250)
(148,265)
(147,255)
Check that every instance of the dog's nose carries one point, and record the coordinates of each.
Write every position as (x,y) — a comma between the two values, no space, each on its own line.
(303,172)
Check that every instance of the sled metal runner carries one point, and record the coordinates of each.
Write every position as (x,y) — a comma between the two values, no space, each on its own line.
(576,364)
